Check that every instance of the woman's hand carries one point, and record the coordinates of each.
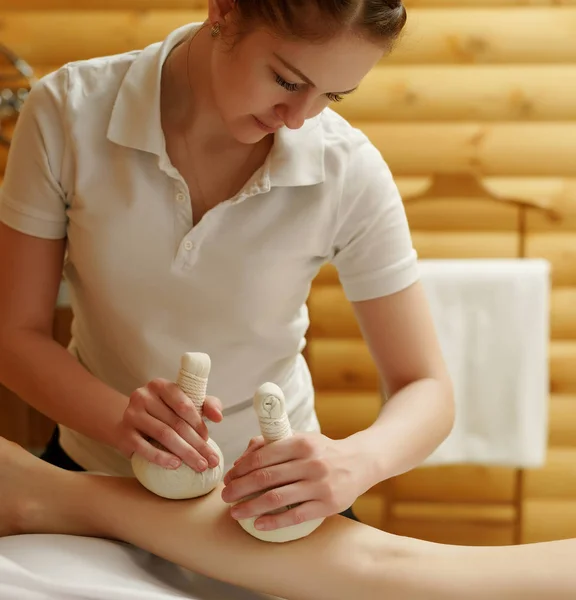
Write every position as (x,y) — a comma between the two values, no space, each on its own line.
(161,412)
(320,476)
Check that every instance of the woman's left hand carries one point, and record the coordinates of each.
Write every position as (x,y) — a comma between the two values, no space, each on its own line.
(319,475)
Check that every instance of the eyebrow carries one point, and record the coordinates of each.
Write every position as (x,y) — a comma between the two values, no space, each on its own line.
(299,73)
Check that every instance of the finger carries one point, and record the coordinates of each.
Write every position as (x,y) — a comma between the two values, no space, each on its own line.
(158,409)
(155,453)
(171,441)
(265,456)
(264,479)
(273,500)
(212,409)
(179,402)
(254,444)
(293,516)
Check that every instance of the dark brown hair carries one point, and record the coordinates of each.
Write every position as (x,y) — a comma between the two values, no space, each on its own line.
(379,21)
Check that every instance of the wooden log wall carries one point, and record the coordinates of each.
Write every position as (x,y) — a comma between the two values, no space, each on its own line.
(475,85)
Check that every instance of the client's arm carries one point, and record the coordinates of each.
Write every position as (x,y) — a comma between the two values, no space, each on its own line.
(340,560)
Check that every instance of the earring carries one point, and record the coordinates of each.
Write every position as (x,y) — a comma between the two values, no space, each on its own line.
(215,29)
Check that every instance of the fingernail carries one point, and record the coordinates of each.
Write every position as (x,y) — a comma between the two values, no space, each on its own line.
(213,460)
(202,464)
(261,526)
(174,464)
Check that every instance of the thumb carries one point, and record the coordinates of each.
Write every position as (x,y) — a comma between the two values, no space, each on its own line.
(212,409)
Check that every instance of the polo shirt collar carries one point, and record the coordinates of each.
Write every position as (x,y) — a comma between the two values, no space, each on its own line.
(296,158)
(135,121)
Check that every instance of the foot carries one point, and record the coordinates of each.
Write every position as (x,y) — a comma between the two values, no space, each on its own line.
(21,477)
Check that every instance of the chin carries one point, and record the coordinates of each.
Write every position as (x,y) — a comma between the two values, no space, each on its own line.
(247,131)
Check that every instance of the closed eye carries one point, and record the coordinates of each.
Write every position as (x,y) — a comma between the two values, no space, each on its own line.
(294,87)
(291,87)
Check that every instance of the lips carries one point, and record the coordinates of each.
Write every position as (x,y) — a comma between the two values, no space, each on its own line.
(268,127)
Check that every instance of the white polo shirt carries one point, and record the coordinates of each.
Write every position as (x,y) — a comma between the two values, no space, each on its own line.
(88,161)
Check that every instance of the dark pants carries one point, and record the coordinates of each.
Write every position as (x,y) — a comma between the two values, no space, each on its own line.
(55,455)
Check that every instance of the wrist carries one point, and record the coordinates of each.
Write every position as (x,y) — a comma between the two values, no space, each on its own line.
(368,470)
(119,439)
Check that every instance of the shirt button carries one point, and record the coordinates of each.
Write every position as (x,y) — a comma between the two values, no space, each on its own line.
(188,245)
(180,197)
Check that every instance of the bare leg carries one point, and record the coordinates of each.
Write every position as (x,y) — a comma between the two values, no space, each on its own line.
(340,560)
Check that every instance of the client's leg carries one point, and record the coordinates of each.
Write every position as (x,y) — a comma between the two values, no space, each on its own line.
(200,535)
(340,560)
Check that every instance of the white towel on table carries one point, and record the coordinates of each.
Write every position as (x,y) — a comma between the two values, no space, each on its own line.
(66,567)
(492,319)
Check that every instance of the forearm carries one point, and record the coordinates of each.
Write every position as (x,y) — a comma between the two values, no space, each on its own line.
(46,376)
(412,424)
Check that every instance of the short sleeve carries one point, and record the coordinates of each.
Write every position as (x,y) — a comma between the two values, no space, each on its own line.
(373,252)
(32,197)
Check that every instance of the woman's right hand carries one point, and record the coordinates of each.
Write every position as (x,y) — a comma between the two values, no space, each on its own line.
(161,412)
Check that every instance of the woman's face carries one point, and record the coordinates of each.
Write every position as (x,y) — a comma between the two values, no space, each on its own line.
(265,83)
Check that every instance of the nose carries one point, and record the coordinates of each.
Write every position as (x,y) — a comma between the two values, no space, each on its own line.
(294,113)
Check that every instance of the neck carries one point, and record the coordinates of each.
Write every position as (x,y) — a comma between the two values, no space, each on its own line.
(187,102)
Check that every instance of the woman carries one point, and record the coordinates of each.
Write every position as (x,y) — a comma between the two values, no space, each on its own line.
(192,191)
(342,559)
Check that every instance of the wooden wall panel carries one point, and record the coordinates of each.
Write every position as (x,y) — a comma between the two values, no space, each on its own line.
(432,36)
(118,5)
(455,484)
(461,215)
(450,512)
(449,524)
(332,316)
(545,520)
(464,93)
(344,413)
(560,249)
(479,3)
(485,35)
(557,479)
(562,362)
(478,244)
(454,523)
(346,364)
(562,420)
(503,149)
(56,37)
(370,508)
(563,313)
(342,364)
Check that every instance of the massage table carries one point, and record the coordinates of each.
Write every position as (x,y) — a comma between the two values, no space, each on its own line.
(63,567)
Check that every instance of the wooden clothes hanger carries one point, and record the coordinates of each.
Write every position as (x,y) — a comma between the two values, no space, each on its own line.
(469,186)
